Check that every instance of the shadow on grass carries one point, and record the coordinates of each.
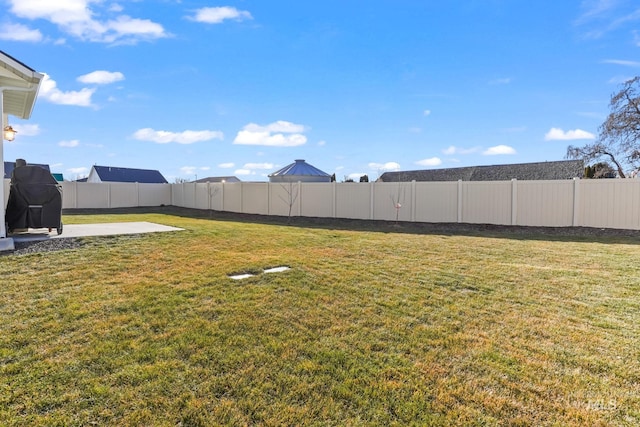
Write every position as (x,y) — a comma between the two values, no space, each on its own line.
(578,234)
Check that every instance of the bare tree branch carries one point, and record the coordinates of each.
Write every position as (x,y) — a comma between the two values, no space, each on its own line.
(619,135)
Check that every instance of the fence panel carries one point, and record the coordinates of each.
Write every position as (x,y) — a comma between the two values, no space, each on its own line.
(610,203)
(544,203)
(387,195)
(154,194)
(216,195)
(255,198)
(436,202)
(486,202)
(92,196)
(317,200)
(283,198)
(233,197)
(123,195)
(353,200)
(201,195)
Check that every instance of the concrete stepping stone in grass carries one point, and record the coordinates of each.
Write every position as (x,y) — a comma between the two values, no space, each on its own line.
(267,271)
(276,269)
(241,276)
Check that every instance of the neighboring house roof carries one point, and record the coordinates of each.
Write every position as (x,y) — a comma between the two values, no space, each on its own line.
(10,166)
(218,179)
(564,169)
(114,174)
(300,167)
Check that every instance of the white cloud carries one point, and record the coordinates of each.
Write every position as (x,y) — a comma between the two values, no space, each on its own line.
(276,134)
(50,92)
(426,113)
(184,137)
(452,149)
(433,161)
(27,129)
(226,165)
(77,18)
(69,144)
(242,172)
(498,150)
(20,33)
(115,7)
(216,15)
(385,167)
(78,171)
(101,77)
(322,143)
(556,134)
(604,16)
(258,166)
(634,64)
(188,170)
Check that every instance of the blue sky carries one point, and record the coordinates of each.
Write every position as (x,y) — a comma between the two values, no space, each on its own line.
(206,88)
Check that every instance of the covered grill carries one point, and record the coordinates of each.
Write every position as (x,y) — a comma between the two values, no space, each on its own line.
(35,199)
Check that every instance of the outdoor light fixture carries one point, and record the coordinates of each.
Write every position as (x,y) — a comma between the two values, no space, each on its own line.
(9,133)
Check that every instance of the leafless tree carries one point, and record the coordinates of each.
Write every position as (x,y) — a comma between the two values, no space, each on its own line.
(398,200)
(292,191)
(619,136)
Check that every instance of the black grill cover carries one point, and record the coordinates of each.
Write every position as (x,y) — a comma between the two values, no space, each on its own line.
(35,199)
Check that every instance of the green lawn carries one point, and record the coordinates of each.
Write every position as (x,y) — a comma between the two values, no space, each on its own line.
(366,328)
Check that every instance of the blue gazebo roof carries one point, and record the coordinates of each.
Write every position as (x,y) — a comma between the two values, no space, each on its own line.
(299,168)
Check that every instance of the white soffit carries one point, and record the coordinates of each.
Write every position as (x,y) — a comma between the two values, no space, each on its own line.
(14,74)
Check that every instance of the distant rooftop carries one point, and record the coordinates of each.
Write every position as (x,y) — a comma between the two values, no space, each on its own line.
(218,179)
(563,169)
(299,167)
(143,176)
(10,166)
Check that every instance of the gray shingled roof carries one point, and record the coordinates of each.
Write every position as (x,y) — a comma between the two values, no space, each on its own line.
(563,169)
(218,179)
(113,174)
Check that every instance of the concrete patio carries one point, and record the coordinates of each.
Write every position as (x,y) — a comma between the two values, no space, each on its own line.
(88,230)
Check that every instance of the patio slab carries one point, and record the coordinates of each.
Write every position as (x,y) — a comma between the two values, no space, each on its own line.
(88,230)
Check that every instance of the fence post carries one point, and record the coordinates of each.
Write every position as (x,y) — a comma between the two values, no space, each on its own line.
(268,198)
(137,194)
(334,194)
(222,197)
(299,198)
(576,202)
(413,200)
(372,206)
(514,201)
(459,200)
(109,196)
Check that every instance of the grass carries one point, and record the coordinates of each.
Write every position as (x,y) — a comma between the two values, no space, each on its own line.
(366,328)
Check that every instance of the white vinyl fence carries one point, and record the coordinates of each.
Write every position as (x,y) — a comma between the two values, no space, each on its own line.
(603,203)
